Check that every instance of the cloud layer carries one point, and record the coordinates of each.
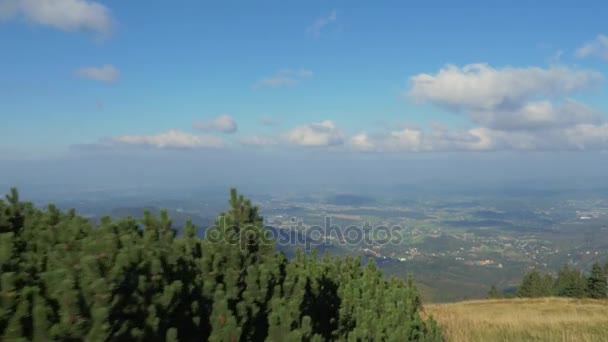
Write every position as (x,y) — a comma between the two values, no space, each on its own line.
(223,123)
(170,139)
(576,137)
(511,108)
(66,15)
(316,134)
(319,134)
(507,108)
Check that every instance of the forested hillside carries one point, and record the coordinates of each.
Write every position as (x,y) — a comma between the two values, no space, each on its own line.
(64,278)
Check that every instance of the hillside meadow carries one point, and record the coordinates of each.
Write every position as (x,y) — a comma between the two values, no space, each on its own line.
(538,319)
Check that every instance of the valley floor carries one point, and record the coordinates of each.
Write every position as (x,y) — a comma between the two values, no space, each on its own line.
(538,319)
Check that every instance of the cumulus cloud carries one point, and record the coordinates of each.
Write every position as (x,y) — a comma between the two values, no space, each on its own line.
(596,48)
(479,87)
(417,140)
(319,24)
(66,15)
(320,134)
(223,123)
(536,115)
(316,134)
(508,109)
(105,73)
(283,78)
(170,139)
(583,130)
(513,108)
(362,142)
(441,139)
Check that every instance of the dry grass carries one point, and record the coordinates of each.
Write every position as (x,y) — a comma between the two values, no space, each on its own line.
(543,319)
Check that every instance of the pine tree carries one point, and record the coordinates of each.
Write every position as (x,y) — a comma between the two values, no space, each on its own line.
(493,293)
(536,284)
(596,282)
(64,278)
(570,282)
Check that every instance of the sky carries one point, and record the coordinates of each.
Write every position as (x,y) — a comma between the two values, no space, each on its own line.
(89,89)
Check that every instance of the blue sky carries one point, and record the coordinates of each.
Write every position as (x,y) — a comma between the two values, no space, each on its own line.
(340,77)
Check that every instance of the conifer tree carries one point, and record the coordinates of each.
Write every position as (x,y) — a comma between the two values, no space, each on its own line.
(570,282)
(63,278)
(493,293)
(536,284)
(596,282)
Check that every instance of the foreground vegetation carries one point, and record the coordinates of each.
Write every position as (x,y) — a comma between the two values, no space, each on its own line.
(538,319)
(569,282)
(62,278)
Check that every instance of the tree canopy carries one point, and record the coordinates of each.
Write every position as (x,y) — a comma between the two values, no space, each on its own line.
(65,278)
(570,282)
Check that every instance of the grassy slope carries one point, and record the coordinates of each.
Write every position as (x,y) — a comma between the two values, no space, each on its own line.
(543,319)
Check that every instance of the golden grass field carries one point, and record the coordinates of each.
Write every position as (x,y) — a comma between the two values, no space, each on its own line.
(542,319)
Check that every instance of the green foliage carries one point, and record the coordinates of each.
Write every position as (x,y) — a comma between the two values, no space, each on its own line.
(570,282)
(493,293)
(64,279)
(596,283)
(536,284)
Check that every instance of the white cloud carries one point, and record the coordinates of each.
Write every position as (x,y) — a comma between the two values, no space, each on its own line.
(362,142)
(588,136)
(508,98)
(259,141)
(105,73)
(319,24)
(223,123)
(440,139)
(481,87)
(283,78)
(576,137)
(170,139)
(508,108)
(512,109)
(316,134)
(537,115)
(416,140)
(596,48)
(405,139)
(66,15)
(321,134)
